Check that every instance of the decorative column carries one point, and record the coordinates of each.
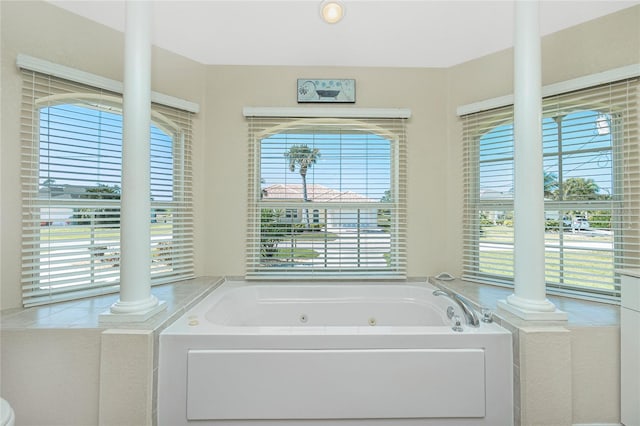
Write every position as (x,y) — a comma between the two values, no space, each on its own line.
(529,298)
(136,301)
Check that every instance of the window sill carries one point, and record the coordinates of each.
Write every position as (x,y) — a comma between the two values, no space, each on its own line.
(582,313)
(180,296)
(84,313)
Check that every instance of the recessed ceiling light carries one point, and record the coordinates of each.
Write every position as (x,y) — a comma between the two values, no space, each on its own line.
(331,11)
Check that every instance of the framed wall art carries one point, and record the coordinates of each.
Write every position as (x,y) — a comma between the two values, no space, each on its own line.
(326,90)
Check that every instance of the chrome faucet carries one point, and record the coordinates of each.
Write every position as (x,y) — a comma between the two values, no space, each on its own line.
(469,313)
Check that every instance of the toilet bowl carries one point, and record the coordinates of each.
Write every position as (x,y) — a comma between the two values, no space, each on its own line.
(7,417)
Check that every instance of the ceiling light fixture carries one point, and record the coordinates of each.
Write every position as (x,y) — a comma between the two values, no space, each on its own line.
(331,11)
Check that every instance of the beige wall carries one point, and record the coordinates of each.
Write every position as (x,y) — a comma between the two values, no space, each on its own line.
(599,45)
(220,152)
(44,31)
(595,374)
(220,141)
(46,382)
(230,88)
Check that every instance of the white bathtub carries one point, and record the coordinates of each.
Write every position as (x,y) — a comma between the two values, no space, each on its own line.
(332,353)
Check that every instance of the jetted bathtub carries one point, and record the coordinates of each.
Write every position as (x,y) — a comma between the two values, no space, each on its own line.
(332,353)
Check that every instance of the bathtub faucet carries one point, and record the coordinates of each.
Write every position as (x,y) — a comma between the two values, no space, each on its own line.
(469,313)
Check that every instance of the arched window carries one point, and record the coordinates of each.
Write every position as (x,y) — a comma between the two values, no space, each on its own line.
(589,152)
(72,163)
(346,181)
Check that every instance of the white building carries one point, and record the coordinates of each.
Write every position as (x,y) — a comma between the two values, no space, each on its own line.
(345,215)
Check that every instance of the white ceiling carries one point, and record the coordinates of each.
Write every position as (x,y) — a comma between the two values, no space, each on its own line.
(395,33)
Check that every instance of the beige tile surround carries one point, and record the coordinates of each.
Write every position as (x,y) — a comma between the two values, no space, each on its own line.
(82,372)
(564,372)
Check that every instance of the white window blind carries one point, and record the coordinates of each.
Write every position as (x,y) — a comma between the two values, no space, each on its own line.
(591,190)
(71,177)
(326,197)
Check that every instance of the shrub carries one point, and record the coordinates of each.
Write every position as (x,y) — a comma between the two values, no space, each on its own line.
(272,230)
(302,227)
(551,225)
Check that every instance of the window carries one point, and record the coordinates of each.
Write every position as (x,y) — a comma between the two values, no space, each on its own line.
(326,197)
(590,157)
(71,165)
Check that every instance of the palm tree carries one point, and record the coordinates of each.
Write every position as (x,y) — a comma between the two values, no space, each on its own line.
(577,188)
(550,184)
(303,158)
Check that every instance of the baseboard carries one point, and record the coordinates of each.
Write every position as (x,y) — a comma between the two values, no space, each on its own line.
(597,424)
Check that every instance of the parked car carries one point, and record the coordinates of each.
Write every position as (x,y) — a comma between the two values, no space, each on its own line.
(580,223)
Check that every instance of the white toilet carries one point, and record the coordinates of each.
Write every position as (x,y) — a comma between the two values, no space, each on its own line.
(7,417)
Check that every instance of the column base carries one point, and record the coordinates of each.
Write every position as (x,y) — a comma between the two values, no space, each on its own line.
(119,315)
(533,315)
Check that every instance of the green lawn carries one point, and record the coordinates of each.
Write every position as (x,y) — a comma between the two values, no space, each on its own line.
(295,253)
(315,236)
(74,232)
(579,266)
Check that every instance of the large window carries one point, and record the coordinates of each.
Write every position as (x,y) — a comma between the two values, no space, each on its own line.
(590,158)
(71,165)
(326,197)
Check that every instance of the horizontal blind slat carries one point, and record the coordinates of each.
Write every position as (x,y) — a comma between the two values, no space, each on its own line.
(70,173)
(360,163)
(591,163)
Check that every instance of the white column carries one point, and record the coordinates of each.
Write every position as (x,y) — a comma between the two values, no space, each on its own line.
(136,301)
(529,298)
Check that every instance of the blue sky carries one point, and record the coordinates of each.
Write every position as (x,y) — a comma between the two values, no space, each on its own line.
(348,162)
(580,132)
(83,146)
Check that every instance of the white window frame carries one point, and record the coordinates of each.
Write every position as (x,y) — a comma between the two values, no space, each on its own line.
(170,262)
(624,251)
(280,117)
